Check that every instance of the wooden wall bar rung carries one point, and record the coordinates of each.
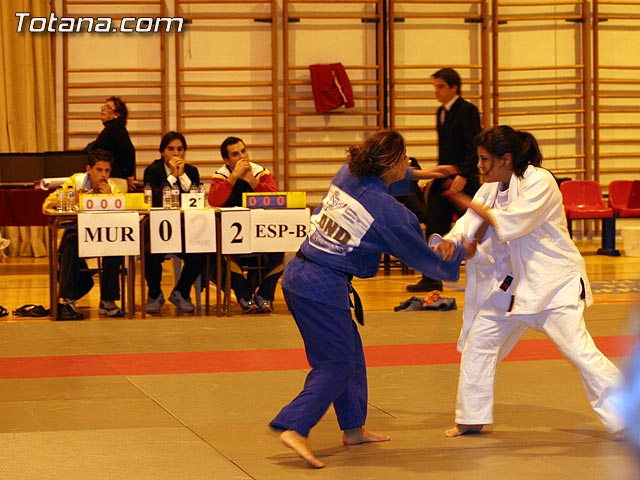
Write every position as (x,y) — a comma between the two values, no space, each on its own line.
(251,114)
(509,4)
(225,130)
(539,18)
(341,128)
(554,126)
(227,16)
(307,160)
(537,68)
(223,2)
(224,84)
(211,99)
(113,2)
(541,111)
(436,16)
(322,2)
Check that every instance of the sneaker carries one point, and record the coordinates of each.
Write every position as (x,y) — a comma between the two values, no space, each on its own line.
(425,285)
(154,306)
(183,304)
(264,305)
(67,312)
(110,309)
(248,306)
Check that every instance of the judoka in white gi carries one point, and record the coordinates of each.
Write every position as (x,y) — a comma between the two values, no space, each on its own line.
(527,273)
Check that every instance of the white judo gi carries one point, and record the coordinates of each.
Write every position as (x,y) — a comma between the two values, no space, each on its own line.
(548,293)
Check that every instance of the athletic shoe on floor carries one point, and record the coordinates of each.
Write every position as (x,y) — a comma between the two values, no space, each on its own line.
(264,305)
(110,309)
(67,312)
(155,305)
(248,306)
(184,304)
(425,285)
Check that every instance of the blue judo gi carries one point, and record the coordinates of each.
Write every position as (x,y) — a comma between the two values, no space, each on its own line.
(357,222)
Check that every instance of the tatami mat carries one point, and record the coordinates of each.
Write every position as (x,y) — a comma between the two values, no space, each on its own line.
(86,414)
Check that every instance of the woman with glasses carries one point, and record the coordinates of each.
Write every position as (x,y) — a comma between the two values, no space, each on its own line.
(114,138)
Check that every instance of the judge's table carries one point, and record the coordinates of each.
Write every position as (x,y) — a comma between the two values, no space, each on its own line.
(117,225)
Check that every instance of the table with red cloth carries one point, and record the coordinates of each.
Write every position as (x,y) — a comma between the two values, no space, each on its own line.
(22,207)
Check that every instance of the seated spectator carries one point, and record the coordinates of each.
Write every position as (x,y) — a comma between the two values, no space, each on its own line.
(236,176)
(172,169)
(74,278)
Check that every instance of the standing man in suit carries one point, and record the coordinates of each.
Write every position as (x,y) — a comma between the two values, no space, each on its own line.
(171,168)
(458,122)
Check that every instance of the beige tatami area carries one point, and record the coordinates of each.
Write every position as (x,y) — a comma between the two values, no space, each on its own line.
(189,397)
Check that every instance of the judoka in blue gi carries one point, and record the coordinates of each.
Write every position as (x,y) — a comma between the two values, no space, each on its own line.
(357,221)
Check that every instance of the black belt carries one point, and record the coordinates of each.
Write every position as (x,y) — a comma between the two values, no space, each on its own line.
(356,303)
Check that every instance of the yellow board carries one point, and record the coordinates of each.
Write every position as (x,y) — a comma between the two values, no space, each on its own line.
(274,199)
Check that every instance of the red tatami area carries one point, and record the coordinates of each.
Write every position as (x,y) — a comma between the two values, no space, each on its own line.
(267,360)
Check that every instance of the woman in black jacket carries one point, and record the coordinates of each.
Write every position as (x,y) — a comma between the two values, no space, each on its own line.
(115,139)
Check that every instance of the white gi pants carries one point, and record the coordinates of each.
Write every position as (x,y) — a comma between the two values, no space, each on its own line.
(493,335)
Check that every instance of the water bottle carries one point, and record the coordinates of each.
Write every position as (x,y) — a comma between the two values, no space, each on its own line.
(194,188)
(201,188)
(61,198)
(148,195)
(71,199)
(166,196)
(175,196)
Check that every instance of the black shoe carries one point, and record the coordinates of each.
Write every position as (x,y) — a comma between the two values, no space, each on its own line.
(425,285)
(66,312)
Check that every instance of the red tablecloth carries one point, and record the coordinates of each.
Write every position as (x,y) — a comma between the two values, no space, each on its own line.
(22,207)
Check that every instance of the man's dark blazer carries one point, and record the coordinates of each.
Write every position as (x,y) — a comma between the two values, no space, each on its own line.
(156,176)
(455,139)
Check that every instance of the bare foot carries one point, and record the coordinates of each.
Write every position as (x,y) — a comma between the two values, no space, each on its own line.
(356,436)
(461,429)
(300,445)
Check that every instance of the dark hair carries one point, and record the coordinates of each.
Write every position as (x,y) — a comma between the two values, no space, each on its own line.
(169,137)
(377,154)
(120,107)
(503,139)
(450,76)
(229,141)
(99,155)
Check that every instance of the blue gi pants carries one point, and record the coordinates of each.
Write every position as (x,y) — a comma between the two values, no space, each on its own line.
(338,370)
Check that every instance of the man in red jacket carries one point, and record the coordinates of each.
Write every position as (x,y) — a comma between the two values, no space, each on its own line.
(236,176)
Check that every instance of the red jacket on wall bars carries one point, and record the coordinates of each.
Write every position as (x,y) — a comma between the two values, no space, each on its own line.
(331,87)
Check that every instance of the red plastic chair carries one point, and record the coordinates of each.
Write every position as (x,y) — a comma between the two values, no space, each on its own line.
(583,199)
(624,198)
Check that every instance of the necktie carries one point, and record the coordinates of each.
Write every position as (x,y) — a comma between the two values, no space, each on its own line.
(443,115)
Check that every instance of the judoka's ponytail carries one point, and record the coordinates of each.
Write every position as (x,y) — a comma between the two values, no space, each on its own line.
(503,139)
(377,154)
(529,153)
